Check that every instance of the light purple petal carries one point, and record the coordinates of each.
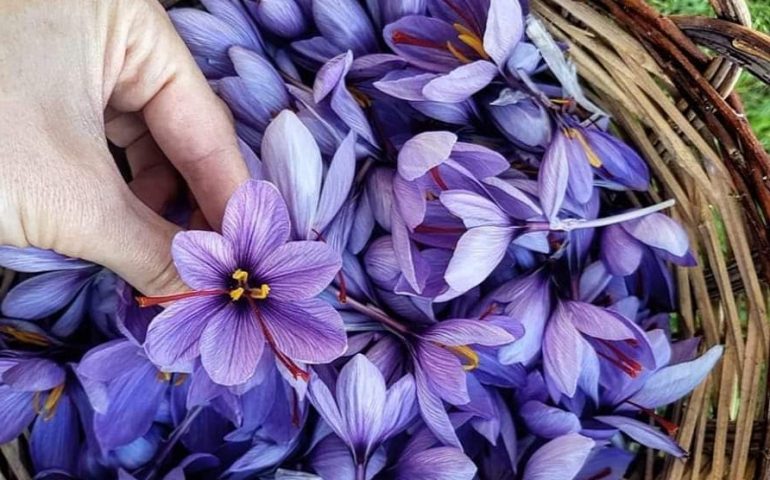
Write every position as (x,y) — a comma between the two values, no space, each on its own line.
(292,161)
(553,176)
(361,400)
(205,260)
(409,203)
(659,231)
(478,252)
(423,152)
(504,29)
(671,383)
(443,372)
(405,87)
(16,414)
(467,332)
(433,32)
(111,359)
(34,375)
(479,160)
(460,83)
(595,321)
(350,112)
(560,459)
(33,260)
(433,412)
(620,252)
(299,270)
(281,17)
(330,74)
(547,421)
(174,334)
(337,184)
(309,331)
(323,401)
(345,24)
(440,463)
(473,209)
(562,352)
(644,433)
(256,222)
(400,407)
(231,345)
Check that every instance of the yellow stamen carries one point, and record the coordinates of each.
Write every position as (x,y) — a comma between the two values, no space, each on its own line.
(361,98)
(163,376)
(260,293)
(468,354)
(457,53)
(29,338)
(53,401)
(593,159)
(241,276)
(471,39)
(237,293)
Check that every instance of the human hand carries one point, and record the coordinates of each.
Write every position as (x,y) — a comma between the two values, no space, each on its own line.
(73,74)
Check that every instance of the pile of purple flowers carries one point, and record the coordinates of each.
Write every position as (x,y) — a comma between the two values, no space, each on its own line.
(438,272)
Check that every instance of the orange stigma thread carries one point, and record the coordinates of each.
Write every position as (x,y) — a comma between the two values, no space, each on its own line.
(465,353)
(287,362)
(670,427)
(29,338)
(48,409)
(628,365)
(152,301)
(575,134)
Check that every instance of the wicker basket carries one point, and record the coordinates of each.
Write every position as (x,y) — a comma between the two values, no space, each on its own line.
(677,106)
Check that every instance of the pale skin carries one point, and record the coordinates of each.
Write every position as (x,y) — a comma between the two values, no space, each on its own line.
(74,73)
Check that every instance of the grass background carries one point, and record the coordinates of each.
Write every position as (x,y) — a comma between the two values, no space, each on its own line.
(755,94)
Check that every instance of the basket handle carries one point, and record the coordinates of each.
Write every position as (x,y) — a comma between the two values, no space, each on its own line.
(742,45)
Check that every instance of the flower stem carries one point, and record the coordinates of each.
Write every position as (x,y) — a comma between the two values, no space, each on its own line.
(371,311)
(573,224)
(173,439)
(360,471)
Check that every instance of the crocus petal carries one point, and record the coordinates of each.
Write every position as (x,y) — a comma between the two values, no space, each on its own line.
(283,18)
(34,375)
(562,352)
(553,176)
(659,231)
(72,316)
(409,201)
(207,36)
(174,335)
(299,270)
(111,359)
(399,407)
(460,83)
(34,260)
(231,345)
(49,434)
(595,321)
(529,301)
(337,183)
(45,294)
(309,331)
(548,422)
(560,459)
(423,152)
(504,29)
(644,433)
(478,252)
(405,86)
(205,260)
(330,74)
(473,209)
(323,401)
(350,112)
(593,281)
(440,463)
(429,32)
(16,414)
(467,332)
(293,162)
(345,24)
(361,400)
(433,412)
(671,383)
(134,400)
(479,160)
(267,91)
(443,372)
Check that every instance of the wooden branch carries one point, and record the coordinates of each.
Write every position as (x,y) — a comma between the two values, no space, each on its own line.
(744,46)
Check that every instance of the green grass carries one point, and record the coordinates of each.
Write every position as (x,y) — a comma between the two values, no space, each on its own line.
(755,94)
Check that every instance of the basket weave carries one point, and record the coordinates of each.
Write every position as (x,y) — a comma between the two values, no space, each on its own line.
(677,106)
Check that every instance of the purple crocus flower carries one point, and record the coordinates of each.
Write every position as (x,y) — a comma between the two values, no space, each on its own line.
(363,412)
(251,288)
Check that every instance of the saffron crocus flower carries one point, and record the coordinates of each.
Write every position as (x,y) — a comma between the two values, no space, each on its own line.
(363,412)
(66,286)
(251,288)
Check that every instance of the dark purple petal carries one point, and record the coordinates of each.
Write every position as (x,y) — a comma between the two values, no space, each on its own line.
(422,42)
(45,294)
(309,331)
(621,162)
(547,421)
(231,345)
(110,360)
(256,222)
(299,270)
(50,434)
(345,24)
(174,334)
(205,260)
(283,18)
(16,414)
(461,83)
(560,459)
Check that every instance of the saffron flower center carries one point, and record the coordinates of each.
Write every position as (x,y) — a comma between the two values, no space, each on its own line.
(242,287)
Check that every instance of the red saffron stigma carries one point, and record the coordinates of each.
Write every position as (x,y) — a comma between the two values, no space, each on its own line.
(603,473)
(287,362)
(408,39)
(469,20)
(431,229)
(152,301)
(490,309)
(630,367)
(437,178)
(670,427)
(294,409)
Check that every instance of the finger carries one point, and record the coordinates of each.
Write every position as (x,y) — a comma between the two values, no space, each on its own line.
(187,120)
(154,180)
